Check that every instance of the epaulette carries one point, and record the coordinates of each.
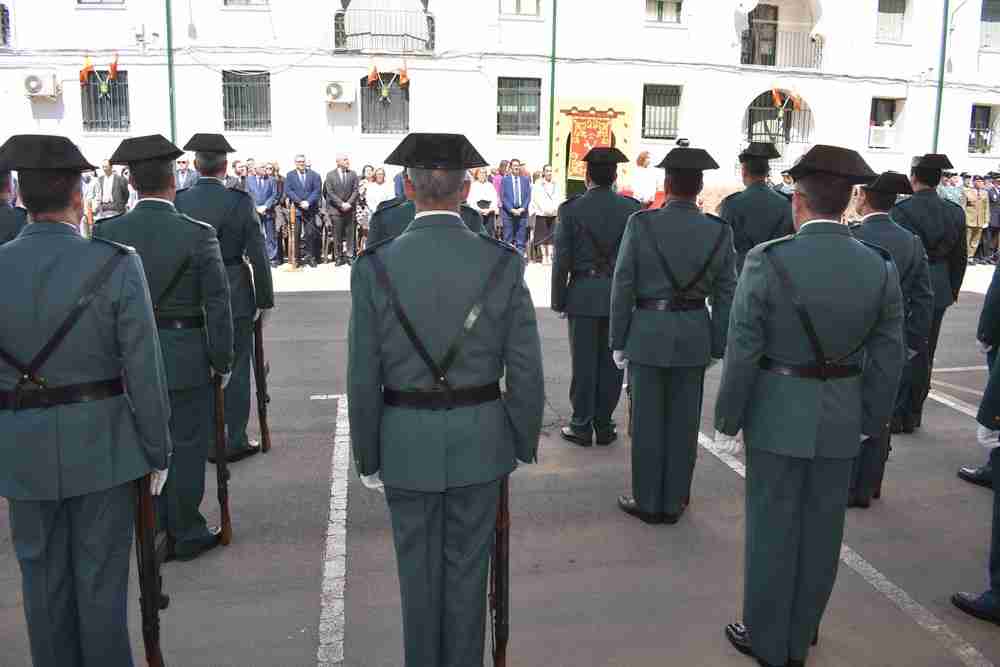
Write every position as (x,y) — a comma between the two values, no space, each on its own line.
(632,198)
(886,255)
(183,190)
(370,249)
(506,246)
(188,218)
(120,247)
(716,218)
(571,199)
(767,245)
(110,218)
(391,203)
(730,196)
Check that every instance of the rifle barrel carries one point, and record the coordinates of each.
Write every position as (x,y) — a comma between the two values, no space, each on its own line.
(221,465)
(260,371)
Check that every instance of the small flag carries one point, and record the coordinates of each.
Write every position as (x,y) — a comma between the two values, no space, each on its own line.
(113,70)
(88,69)
(404,77)
(373,76)
(777,98)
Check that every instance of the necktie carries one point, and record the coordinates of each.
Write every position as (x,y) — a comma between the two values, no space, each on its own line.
(517,192)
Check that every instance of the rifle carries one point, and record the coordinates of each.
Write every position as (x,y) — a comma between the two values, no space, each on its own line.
(90,219)
(151,597)
(500,578)
(221,465)
(627,386)
(260,373)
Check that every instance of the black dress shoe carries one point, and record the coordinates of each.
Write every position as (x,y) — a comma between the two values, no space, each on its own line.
(571,435)
(896,425)
(215,539)
(981,476)
(605,438)
(738,636)
(253,448)
(977,606)
(628,505)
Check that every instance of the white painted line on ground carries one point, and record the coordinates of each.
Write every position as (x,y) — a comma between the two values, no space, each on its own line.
(958,388)
(954,403)
(332,617)
(961,369)
(326,397)
(922,616)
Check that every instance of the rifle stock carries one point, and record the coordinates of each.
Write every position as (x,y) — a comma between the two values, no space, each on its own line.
(260,372)
(90,219)
(500,578)
(151,598)
(221,465)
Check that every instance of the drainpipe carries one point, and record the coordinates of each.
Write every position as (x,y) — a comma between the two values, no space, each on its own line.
(940,90)
(170,72)
(552,83)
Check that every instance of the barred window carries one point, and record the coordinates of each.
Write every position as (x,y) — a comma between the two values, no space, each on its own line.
(246,101)
(519,103)
(247,3)
(520,7)
(100,2)
(991,24)
(660,111)
(983,129)
(105,102)
(891,20)
(385,106)
(4,25)
(663,11)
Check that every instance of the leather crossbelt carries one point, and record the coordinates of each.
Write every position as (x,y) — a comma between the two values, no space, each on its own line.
(811,371)
(670,305)
(439,399)
(194,322)
(48,397)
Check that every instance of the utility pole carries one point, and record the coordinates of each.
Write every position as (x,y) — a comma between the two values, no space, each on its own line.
(940,87)
(552,82)
(170,71)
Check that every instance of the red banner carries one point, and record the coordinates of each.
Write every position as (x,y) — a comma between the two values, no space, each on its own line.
(588,132)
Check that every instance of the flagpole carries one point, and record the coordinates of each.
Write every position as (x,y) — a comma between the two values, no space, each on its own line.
(170,71)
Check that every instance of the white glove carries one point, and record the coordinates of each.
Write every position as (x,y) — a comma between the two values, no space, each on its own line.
(225,377)
(863,437)
(987,437)
(373,482)
(728,444)
(262,314)
(712,362)
(157,480)
(619,358)
(983,347)
(563,316)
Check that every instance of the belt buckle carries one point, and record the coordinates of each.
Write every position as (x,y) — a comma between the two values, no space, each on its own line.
(825,372)
(19,389)
(443,386)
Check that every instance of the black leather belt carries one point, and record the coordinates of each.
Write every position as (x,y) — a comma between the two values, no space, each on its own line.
(28,399)
(670,305)
(811,371)
(937,260)
(235,261)
(439,399)
(195,322)
(590,273)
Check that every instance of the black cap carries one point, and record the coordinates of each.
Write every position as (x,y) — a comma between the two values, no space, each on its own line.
(964,174)
(760,150)
(834,161)
(932,161)
(432,150)
(688,158)
(683,143)
(149,147)
(42,151)
(604,155)
(891,182)
(208,143)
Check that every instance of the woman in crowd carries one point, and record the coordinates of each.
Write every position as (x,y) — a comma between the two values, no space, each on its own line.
(379,190)
(483,198)
(645,181)
(498,178)
(545,201)
(362,208)
(280,210)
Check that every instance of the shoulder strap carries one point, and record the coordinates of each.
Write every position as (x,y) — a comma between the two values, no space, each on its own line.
(603,257)
(668,272)
(708,262)
(800,308)
(172,285)
(914,258)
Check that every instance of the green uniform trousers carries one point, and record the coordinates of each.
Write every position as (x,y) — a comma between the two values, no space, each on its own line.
(443,543)
(238,389)
(869,468)
(666,415)
(794,526)
(192,428)
(74,558)
(596,385)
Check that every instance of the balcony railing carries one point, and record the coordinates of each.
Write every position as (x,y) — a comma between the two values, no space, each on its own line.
(982,141)
(771,44)
(384,30)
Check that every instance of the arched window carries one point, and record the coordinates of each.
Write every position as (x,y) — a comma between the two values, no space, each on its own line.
(778,118)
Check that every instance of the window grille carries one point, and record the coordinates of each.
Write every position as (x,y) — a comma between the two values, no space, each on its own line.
(520,7)
(660,111)
(891,20)
(778,125)
(982,133)
(991,24)
(664,11)
(385,106)
(519,104)
(246,101)
(105,102)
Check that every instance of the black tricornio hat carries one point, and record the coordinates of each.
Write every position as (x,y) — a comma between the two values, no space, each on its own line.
(42,151)
(932,161)
(834,161)
(688,158)
(604,155)
(208,143)
(891,182)
(760,150)
(433,150)
(149,147)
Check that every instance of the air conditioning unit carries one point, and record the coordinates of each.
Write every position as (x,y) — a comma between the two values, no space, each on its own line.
(882,137)
(41,84)
(340,92)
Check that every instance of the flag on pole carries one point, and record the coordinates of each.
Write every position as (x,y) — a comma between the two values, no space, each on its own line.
(88,69)
(113,69)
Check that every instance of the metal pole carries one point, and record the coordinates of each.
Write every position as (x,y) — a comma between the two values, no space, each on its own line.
(940,90)
(552,83)
(170,71)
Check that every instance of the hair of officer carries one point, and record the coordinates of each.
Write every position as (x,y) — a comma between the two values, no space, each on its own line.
(602,175)
(880,201)
(211,164)
(437,184)
(685,182)
(826,195)
(929,177)
(152,175)
(47,191)
(757,167)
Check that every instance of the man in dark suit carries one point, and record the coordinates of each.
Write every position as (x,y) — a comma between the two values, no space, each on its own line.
(12,218)
(264,190)
(184,176)
(110,193)
(398,186)
(515,198)
(303,187)
(340,192)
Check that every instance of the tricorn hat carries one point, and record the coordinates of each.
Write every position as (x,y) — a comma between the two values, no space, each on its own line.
(688,158)
(834,161)
(890,182)
(432,150)
(604,155)
(932,161)
(760,150)
(149,147)
(42,151)
(208,143)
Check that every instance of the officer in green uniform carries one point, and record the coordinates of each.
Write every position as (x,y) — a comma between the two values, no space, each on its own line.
(12,218)
(233,215)
(876,227)
(392,218)
(671,259)
(77,321)
(587,239)
(758,214)
(940,224)
(813,358)
(187,281)
(438,315)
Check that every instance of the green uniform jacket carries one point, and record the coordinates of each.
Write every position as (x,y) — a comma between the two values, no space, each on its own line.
(72,450)
(231,212)
(165,239)
(940,224)
(686,238)
(605,215)
(439,268)
(12,221)
(840,281)
(392,217)
(911,263)
(758,214)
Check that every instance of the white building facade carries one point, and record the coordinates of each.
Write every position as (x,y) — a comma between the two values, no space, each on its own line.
(280,77)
